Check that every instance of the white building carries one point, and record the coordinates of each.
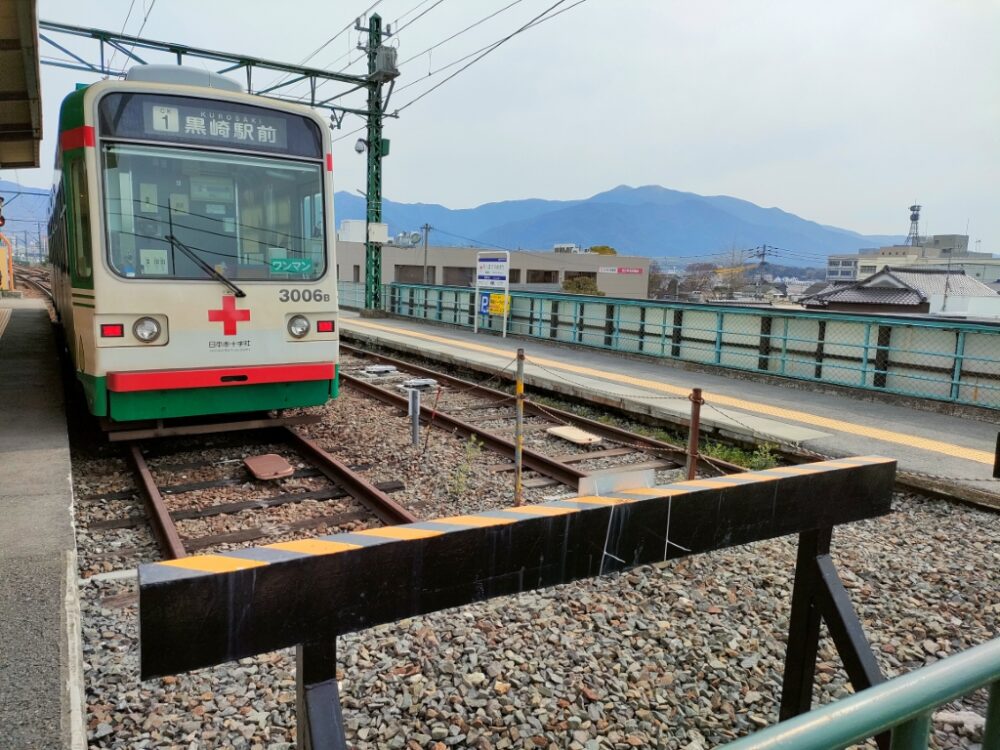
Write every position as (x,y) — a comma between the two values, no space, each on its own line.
(941,250)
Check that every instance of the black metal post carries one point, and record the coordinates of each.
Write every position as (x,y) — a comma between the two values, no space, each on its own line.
(803,627)
(818,595)
(996,460)
(320,719)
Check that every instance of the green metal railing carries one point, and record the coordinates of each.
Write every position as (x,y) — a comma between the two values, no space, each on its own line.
(945,360)
(903,704)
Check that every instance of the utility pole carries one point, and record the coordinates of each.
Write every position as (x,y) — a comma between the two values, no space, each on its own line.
(427,230)
(761,253)
(381,68)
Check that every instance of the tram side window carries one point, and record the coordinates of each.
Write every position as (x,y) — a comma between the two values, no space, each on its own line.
(81,219)
(57,232)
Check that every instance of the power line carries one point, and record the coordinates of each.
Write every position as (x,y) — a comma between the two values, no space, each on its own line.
(410,23)
(124,24)
(138,33)
(540,18)
(326,44)
(459,33)
(363,54)
(419,5)
(472,239)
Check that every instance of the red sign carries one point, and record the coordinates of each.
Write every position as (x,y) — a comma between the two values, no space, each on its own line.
(229,316)
(619,269)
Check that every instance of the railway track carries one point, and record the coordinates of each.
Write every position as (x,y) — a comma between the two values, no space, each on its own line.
(477,411)
(36,278)
(199,516)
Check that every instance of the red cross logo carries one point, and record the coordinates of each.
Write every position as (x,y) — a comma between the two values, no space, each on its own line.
(228,315)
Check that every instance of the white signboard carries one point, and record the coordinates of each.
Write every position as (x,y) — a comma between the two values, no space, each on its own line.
(492,272)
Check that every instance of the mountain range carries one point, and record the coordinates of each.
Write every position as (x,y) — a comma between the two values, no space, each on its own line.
(651,221)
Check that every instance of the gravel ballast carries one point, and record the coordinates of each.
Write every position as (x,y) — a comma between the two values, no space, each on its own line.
(684,655)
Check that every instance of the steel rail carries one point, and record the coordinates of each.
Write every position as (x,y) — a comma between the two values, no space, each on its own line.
(34,281)
(377,501)
(561,472)
(163,525)
(206,428)
(609,432)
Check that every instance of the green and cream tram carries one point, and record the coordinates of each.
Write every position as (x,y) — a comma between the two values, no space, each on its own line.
(193,250)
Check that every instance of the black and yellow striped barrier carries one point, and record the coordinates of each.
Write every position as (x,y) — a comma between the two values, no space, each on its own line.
(204,610)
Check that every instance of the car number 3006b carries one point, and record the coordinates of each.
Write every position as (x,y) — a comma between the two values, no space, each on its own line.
(302,295)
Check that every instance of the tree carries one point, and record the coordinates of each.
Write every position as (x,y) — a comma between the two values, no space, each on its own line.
(582,285)
(602,250)
(698,278)
(734,276)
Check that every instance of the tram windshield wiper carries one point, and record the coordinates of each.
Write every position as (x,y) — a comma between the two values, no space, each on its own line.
(214,273)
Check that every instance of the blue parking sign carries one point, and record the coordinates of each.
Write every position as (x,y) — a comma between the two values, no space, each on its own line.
(484,303)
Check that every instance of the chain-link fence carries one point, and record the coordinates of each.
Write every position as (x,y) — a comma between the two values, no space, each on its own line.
(937,359)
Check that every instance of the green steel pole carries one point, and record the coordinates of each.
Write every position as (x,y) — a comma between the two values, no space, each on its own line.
(913,734)
(991,733)
(373,252)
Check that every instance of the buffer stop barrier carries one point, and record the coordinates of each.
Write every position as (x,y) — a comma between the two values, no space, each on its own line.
(204,610)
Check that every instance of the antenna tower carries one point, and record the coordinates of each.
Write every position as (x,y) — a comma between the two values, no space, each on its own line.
(913,238)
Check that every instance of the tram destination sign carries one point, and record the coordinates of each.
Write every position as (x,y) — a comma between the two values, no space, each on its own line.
(213,123)
(217,123)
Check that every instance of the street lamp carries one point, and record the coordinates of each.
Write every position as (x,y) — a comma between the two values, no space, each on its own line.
(360,145)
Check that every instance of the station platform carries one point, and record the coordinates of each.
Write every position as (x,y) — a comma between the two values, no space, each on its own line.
(41,689)
(936,452)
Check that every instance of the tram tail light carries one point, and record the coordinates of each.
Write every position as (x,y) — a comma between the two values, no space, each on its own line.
(325,326)
(112,330)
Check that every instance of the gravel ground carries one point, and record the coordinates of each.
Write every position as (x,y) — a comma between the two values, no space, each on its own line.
(685,655)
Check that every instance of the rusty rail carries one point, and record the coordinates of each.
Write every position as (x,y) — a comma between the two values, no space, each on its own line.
(676,453)
(378,502)
(163,525)
(561,472)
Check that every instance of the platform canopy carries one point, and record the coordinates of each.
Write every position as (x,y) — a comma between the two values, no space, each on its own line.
(20,87)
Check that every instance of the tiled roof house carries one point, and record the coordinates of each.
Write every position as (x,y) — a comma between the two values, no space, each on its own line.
(904,290)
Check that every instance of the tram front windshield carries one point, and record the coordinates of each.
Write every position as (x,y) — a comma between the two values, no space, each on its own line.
(248,217)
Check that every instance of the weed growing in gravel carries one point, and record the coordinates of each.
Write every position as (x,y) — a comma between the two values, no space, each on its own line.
(762,457)
(459,482)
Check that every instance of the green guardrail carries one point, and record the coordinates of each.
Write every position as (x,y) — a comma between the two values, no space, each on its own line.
(903,705)
(928,358)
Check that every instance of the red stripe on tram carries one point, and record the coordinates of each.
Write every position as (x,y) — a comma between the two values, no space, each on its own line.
(156,380)
(77,138)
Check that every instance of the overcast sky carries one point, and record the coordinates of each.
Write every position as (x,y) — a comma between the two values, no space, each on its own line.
(841,112)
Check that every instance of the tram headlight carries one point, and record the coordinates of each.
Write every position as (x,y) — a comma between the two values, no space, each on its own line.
(146,329)
(298,326)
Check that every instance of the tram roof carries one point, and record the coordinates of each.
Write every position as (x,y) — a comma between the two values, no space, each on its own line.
(20,85)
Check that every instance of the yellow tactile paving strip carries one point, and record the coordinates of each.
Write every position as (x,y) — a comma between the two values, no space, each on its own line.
(4,318)
(229,563)
(795,415)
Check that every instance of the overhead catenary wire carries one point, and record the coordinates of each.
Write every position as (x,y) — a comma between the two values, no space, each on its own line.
(128,15)
(479,54)
(284,77)
(364,53)
(471,26)
(396,31)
